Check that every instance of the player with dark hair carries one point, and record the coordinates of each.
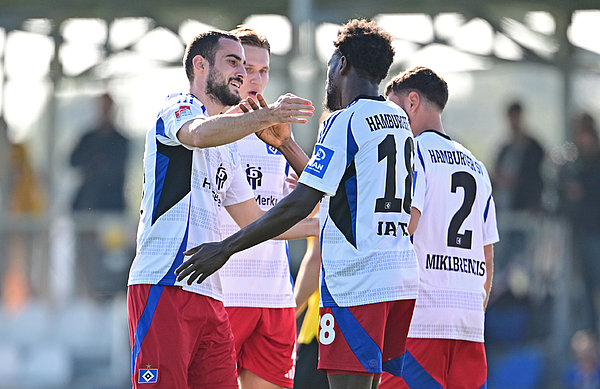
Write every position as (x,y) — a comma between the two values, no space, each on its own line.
(363,161)
(257,287)
(180,335)
(453,220)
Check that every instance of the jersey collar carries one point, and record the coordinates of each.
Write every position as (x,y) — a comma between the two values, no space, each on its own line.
(437,132)
(377,98)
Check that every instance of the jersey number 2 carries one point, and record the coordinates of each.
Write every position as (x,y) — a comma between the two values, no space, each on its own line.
(389,202)
(468,183)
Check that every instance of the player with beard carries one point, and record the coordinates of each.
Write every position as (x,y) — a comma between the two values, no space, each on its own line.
(180,336)
(257,287)
(363,161)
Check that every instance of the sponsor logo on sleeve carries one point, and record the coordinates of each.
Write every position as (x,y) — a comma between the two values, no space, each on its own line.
(183,110)
(319,162)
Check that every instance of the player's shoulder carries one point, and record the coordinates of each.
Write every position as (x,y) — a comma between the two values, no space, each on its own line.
(182,104)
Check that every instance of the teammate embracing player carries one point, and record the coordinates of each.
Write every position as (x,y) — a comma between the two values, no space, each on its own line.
(257,287)
(180,335)
(453,219)
(363,160)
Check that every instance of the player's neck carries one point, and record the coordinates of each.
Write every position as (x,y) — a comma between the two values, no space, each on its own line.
(213,106)
(357,86)
(433,122)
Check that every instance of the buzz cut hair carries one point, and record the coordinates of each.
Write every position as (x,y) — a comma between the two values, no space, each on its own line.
(422,80)
(250,37)
(366,47)
(204,44)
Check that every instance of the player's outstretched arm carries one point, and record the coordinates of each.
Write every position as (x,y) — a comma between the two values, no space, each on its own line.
(226,128)
(247,212)
(210,257)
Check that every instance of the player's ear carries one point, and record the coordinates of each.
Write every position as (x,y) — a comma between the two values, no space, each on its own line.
(200,63)
(414,100)
(343,65)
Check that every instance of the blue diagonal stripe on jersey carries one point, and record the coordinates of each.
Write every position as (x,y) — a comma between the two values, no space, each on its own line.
(487,208)
(394,366)
(484,385)
(351,183)
(160,173)
(160,127)
(414,183)
(420,157)
(327,125)
(360,342)
(326,297)
(170,278)
(144,323)
(416,376)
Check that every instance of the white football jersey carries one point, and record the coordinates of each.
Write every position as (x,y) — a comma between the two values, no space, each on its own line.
(259,276)
(452,190)
(363,160)
(184,188)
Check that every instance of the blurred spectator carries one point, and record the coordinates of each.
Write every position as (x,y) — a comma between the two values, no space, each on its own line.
(580,199)
(584,373)
(517,174)
(25,199)
(101,155)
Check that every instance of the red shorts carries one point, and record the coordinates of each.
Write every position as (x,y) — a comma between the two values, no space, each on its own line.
(440,363)
(265,341)
(364,339)
(179,339)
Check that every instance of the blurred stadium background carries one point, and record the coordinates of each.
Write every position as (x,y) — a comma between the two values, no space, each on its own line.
(63,273)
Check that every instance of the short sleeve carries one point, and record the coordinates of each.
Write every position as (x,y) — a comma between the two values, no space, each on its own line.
(328,163)
(239,190)
(419,180)
(178,110)
(490,228)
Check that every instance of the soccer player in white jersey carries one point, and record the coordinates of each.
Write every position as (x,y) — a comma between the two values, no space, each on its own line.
(363,160)
(453,219)
(180,335)
(257,287)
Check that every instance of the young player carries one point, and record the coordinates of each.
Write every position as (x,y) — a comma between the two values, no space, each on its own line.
(453,219)
(257,287)
(180,335)
(369,276)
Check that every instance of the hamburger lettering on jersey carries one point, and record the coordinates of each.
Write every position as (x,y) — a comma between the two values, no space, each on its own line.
(452,190)
(363,159)
(259,276)
(184,188)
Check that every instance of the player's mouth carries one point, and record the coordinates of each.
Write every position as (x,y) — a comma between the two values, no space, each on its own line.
(252,93)
(236,82)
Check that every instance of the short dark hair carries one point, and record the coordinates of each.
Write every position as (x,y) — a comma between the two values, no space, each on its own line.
(249,37)
(367,48)
(423,80)
(514,107)
(204,44)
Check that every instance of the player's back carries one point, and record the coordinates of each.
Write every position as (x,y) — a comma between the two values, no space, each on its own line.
(454,194)
(363,159)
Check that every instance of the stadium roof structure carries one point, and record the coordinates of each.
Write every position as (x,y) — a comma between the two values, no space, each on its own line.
(536,31)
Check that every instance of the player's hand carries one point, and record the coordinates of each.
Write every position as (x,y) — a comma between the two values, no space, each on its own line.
(204,261)
(292,180)
(289,108)
(274,135)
